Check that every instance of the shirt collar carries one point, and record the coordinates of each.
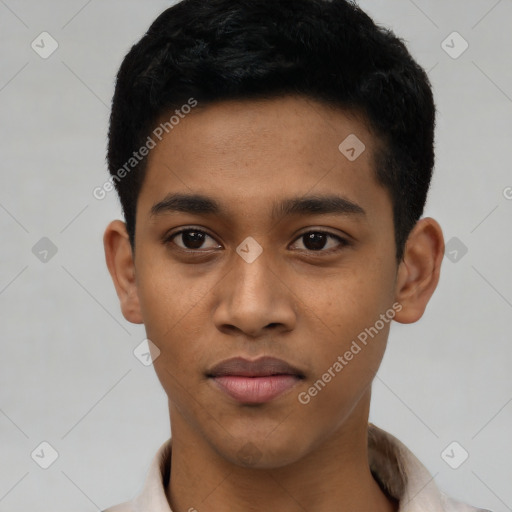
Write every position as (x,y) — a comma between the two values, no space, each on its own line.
(393,465)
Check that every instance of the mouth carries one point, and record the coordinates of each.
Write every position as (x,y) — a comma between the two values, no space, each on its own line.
(255,382)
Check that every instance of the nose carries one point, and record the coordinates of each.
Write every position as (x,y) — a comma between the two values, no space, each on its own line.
(255,299)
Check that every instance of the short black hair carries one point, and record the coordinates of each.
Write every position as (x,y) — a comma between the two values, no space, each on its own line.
(327,50)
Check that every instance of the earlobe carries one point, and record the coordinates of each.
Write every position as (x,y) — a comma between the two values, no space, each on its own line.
(119,258)
(419,271)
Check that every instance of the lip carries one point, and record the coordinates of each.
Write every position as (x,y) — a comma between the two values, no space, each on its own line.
(257,381)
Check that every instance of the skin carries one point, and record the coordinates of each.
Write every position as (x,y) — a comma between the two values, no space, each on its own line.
(302,305)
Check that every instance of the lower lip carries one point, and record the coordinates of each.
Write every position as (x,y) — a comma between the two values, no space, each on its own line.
(255,390)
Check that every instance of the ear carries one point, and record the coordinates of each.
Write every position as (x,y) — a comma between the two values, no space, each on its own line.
(119,257)
(418,272)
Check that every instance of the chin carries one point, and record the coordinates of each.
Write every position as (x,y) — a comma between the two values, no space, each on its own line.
(264,452)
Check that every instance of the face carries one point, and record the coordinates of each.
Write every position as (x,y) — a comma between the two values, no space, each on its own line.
(289,254)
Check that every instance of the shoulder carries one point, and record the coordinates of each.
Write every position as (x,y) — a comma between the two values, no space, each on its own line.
(452,505)
(405,478)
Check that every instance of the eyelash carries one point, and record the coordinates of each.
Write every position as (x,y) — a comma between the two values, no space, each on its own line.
(343,241)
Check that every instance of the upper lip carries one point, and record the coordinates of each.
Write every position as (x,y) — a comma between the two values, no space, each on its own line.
(261,367)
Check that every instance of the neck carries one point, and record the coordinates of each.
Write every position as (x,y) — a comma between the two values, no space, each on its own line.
(334,476)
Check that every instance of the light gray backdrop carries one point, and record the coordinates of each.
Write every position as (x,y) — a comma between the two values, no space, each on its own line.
(68,375)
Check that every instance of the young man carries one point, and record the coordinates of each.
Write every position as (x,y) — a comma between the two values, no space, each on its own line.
(273,160)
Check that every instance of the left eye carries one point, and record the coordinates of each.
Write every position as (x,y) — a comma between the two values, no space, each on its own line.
(316,240)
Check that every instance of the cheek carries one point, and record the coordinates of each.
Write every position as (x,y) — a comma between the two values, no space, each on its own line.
(177,319)
(165,313)
(168,300)
(350,334)
(343,375)
(343,303)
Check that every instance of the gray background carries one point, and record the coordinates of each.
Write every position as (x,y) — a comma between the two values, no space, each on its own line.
(68,375)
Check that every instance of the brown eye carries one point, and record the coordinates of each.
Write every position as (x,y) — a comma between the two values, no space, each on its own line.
(317,240)
(191,239)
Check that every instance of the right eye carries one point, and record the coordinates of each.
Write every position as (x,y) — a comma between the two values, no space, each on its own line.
(191,239)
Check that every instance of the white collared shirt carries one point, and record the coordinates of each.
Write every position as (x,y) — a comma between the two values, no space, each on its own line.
(392,464)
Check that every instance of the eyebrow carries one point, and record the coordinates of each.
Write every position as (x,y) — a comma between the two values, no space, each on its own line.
(198,204)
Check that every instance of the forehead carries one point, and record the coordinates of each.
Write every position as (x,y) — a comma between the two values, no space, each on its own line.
(254,123)
(249,154)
